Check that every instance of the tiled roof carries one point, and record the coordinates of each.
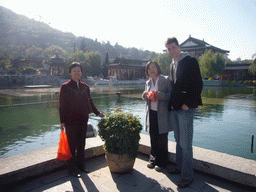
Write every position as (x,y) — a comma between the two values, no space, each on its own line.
(200,44)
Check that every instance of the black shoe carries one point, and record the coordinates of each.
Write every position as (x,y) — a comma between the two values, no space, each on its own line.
(151,165)
(184,183)
(174,171)
(83,169)
(159,169)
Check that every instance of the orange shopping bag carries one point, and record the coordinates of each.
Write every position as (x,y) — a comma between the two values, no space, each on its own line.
(64,152)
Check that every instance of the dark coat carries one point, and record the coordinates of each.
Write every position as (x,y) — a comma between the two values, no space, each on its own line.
(74,103)
(188,86)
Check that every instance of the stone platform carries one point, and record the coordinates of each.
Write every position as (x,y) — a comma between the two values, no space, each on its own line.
(41,171)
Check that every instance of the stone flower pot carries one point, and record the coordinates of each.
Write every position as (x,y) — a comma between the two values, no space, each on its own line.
(120,132)
(119,163)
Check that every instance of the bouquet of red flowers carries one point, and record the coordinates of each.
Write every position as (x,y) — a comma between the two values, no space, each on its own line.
(153,95)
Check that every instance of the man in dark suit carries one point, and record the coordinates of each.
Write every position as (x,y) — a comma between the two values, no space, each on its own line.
(187,84)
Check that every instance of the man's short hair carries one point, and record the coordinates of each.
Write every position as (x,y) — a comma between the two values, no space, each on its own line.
(171,40)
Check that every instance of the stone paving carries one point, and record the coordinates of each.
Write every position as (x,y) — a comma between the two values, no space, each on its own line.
(140,179)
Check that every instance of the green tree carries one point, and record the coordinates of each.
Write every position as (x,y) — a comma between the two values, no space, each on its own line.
(105,66)
(220,64)
(83,45)
(5,64)
(12,71)
(94,59)
(90,61)
(34,52)
(206,62)
(52,50)
(164,60)
(78,56)
(44,71)
(153,56)
(211,64)
(28,71)
(252,68)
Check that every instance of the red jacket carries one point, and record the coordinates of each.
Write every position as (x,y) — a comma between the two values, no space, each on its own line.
(74,103)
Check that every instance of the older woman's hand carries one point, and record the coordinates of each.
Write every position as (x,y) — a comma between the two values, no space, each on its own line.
(101,115)
(62,126)
(145,94)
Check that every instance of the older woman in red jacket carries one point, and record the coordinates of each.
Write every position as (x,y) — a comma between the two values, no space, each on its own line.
(75,104)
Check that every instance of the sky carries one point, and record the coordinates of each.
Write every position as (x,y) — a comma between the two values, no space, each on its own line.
(146,24)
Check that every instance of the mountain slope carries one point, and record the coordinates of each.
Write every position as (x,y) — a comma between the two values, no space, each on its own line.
(22,32)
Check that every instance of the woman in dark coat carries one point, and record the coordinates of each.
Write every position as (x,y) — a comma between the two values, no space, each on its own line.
(75,104)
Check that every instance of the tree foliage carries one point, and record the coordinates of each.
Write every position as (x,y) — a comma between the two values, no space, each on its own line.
(83,45)
(29,71)
(52,50)
(220,64)
(252,68)
(34,52)
(211,64)
(164,60)
(90,61)
(5,64)
(94,60)
(78,56)
(33,39)
(153,56)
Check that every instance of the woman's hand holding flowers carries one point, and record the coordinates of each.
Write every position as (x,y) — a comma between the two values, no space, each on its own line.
(153,95)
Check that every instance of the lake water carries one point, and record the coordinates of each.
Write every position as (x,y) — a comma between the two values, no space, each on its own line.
(29,119)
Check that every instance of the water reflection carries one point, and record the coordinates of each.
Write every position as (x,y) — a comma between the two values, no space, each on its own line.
(209,110)
(224,92)
(26,121)
(224,123)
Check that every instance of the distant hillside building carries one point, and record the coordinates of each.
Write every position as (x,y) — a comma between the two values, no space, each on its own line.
(197,47)
(127,69)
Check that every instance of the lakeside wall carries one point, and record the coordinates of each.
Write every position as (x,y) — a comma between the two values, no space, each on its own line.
(19,80)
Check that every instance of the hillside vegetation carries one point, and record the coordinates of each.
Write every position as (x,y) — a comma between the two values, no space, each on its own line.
(18,34)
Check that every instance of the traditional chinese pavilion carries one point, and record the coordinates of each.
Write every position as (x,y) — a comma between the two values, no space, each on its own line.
(56,65)
(197,47)
(127,69)
(237,71)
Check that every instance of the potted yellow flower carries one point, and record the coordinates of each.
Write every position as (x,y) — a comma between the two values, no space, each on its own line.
(121,133)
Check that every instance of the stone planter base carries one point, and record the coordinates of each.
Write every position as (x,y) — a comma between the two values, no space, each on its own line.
(119,163)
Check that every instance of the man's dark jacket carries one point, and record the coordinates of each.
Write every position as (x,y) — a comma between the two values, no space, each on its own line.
(188,86)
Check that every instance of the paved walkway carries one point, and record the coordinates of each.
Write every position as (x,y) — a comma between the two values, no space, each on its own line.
(140,179)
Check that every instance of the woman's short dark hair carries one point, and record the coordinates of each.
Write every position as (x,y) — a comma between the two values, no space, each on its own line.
(73,65)
(156,64)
